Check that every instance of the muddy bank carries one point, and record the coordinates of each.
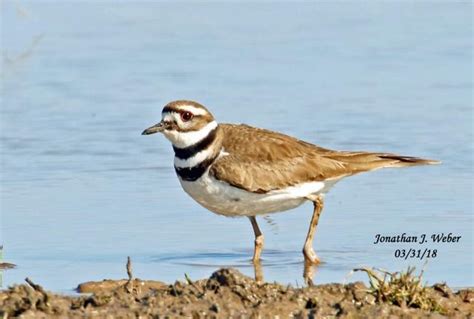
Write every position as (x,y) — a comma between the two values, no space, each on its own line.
(227,294)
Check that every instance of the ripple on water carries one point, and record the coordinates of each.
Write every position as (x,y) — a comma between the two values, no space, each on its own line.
(333,259)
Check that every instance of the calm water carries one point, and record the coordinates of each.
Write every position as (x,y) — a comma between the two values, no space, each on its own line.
(81,189)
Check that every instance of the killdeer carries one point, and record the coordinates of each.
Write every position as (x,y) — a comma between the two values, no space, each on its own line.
(239,170)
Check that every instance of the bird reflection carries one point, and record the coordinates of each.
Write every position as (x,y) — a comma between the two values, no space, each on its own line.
(257,267)
(309,270)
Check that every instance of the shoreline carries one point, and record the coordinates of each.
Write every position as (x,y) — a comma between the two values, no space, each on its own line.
(229,294)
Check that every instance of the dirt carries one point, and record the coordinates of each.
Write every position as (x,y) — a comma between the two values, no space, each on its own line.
(226,294)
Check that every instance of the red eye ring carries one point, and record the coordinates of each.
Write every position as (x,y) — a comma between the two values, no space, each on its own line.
(186,116)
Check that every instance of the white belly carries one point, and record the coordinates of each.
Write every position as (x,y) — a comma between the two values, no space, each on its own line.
(224,199)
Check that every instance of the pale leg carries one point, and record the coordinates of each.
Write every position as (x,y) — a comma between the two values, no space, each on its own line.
(258,240)
(308,251)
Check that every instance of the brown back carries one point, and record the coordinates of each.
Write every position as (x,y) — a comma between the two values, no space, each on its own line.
(260,160)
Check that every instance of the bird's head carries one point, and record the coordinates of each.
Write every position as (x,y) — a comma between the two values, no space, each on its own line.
(184,123)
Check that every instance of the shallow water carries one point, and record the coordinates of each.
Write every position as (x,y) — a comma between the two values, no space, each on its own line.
(81,189)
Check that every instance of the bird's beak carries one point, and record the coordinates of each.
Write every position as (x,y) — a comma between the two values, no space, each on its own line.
(157,128)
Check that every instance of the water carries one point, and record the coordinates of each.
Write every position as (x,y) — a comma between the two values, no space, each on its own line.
(81,189)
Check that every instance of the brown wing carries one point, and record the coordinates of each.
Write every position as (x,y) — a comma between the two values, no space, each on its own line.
(261,160)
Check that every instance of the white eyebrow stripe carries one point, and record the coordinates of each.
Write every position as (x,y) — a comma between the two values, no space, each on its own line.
(192,109)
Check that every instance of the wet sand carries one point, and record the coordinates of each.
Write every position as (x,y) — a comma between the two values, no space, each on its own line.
(226,294)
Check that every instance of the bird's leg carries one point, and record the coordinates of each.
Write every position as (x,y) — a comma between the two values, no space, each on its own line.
(258,240)
(308,251)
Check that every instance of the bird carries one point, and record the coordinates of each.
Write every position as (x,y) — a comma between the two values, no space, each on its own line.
(239,170)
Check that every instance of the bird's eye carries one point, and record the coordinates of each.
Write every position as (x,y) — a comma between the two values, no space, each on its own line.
(186,116)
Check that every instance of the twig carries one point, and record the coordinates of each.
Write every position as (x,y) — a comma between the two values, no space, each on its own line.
(36,287)
(189,281)
(39,289)
(129,284)
(129,269)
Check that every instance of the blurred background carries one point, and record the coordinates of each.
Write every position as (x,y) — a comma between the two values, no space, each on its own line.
(81,189)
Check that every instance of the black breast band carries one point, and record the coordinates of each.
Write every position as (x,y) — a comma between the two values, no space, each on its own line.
(190,151)
(191,174)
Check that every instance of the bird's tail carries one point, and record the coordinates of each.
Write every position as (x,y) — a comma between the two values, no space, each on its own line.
(393,160)
(365,161)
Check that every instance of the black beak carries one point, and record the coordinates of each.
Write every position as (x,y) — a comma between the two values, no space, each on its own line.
(157,128)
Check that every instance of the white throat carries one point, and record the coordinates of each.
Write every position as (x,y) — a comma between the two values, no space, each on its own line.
(185,139)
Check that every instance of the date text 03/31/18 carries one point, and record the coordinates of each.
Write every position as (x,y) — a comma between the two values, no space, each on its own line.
(416,253)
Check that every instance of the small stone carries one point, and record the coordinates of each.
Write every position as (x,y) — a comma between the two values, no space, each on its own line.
(215,308)
(444,289)
(311,303)
(370,299)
